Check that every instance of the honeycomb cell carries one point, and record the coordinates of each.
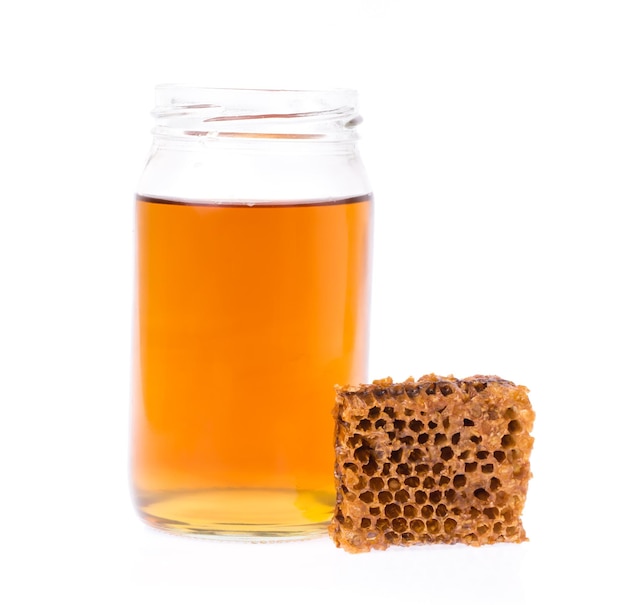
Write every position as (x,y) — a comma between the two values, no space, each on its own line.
(394,484)
(379,393)
(510,413)
(416,455)
(410,511)
(399,525)
(433,526)
(482,494)
(354,441)
(515,426)
(450,495)
(446,389)
(392,511)
(363,453)
(396,455)
(385,497)
(508,515)
(376,483)
(364,425)
(492,512)
(435,496)
(421,497)
(360,484)
(416,425)
(459,481)
(428,483)
(412,482)
(427,511)
(367,497)
(438,468)
(417,525)
(440,438)
(449,525)
(447,453)
(502,498)
(402,496)
(508,441)
(391,537)
(370,468)
(382,524)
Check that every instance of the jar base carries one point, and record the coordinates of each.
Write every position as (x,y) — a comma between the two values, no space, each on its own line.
(244,514)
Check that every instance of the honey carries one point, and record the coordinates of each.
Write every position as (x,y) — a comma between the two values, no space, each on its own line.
(247,315)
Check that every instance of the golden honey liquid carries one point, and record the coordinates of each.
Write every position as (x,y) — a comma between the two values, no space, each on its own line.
(247,316)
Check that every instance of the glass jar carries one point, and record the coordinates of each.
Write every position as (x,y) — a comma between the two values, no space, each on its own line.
(253,259)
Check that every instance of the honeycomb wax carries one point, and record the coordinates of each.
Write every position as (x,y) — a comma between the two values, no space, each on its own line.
(437,460)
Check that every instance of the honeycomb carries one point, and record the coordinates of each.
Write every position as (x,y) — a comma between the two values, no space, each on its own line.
(437,460)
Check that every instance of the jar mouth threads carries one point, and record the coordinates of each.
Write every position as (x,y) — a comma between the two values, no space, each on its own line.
(216,113)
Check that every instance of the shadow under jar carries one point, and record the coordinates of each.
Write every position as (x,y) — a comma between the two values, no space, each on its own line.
(253,223)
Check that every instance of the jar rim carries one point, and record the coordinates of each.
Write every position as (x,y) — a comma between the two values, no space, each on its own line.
(173,86)
(202,111)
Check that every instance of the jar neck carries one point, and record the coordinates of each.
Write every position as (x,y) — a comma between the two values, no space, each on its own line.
(254,145)
(280,119)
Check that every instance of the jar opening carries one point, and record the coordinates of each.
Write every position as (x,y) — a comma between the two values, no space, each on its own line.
(223,113)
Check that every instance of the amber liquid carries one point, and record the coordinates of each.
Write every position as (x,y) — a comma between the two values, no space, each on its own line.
(247,316)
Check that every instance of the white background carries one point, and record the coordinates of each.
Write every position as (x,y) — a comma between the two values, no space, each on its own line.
(495,139)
